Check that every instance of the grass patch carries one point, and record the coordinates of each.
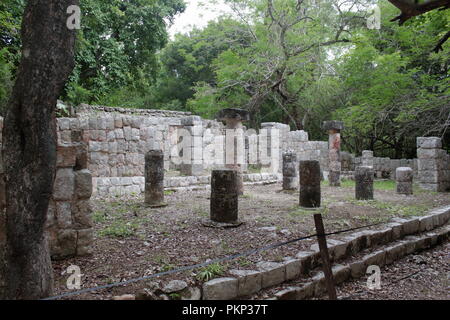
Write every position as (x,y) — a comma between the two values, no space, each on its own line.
(175,296)
(201,212)
(377,184)
(211,271)
(392,209)
(99,217)
(384,185)
(164,263)
(244,262)
(418,190)
(119,229)
(253,169)
(347,183)
(301,212)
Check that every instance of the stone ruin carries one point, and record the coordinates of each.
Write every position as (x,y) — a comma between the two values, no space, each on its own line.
(310,191)
(334,129)
(69,218)
(233,119)
(117,140)
(433,165)
(101,152)
(154,178)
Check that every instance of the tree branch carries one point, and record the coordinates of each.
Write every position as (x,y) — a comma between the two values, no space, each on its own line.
(409,8)
(441,43)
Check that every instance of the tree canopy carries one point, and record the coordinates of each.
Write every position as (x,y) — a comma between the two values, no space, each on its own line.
(116,46)
(294,61)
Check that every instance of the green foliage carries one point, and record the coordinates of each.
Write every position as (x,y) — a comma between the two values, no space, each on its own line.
(115,50)
(377,184)
(188,66)
(76,94)
(119,229)
(393,87)
(99,217)
(10,23)
(5,80)
(278,73)
(387,85)
(211,271)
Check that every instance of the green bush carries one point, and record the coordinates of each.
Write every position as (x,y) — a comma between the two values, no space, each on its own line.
(5,81)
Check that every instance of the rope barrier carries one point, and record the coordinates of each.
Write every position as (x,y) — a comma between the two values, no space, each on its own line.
(200,265)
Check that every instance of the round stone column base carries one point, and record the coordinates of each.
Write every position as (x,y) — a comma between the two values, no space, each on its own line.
(221,225)
(156,205)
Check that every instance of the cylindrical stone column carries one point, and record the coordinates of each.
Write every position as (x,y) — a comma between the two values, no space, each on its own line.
(224,196)
(235,141)
(404,179)
(309,173)
(290,180)
(334,151)
(364,183)
(154,178)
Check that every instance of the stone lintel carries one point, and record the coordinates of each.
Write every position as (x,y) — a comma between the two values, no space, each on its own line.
(333,125)
(233,114)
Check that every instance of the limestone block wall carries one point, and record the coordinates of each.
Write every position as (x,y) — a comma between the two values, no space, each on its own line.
(383,167)
(117,143)
(118,138)
(433,164)
(298,141)
(69,218)
(275,135)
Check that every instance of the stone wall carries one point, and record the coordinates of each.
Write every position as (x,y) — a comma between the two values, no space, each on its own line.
(117,142)
(69,217)
(433,164)
(385,167)
(118,138)
(114,186)
(431,169)
(298,141)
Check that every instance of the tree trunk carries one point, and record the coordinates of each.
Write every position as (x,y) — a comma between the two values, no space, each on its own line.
(29,147)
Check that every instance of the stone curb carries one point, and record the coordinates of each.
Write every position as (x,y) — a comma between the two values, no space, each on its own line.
(271,273)
(358,268)
(136,185)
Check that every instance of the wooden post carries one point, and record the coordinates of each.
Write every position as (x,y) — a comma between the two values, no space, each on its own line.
(325,257)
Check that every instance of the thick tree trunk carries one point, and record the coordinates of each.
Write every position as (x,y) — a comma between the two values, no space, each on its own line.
(29,147)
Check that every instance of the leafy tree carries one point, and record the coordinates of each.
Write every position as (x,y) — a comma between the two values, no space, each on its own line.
(10,24)
(413,8)
(10,19)
(394,88)
(189,60)
(117,47)
(276,75)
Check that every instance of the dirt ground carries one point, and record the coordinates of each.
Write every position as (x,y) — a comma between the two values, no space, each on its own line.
(424,276)
(132,240)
